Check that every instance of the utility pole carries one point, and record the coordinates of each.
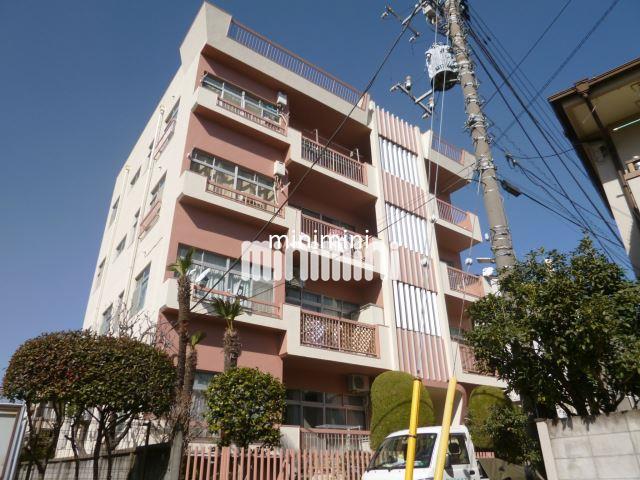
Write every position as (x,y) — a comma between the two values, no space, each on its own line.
(500,235)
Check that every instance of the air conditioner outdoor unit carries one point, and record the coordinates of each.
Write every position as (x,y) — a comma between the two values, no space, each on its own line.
(357,383)
(279,169)
(282,100)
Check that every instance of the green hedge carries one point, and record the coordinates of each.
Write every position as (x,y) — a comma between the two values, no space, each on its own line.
(391,405)
(481,400)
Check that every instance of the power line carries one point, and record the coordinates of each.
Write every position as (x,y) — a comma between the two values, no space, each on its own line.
(524,130)
(569,57)
(318,155)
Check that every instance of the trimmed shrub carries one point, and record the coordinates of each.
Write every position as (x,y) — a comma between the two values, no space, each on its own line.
(391,405)
(481,401)
(246,407)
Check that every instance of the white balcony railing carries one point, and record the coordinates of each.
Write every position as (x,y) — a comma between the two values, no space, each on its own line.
(464,282)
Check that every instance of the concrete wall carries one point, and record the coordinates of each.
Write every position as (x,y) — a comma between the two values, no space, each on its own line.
(603,447)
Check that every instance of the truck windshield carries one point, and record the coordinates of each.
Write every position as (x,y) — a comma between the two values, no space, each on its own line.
(393,452)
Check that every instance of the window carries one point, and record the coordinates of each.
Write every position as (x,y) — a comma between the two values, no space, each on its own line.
(458,450)
(243,99)
(198,401)
(100,272)
(114,210)
(134,226)
(156,193)
(227,174)
(311,409)
(107,317)
(120,307)
(316,302)
(209,267)
(135,177)
(120,247)
(140,292)
(392,453)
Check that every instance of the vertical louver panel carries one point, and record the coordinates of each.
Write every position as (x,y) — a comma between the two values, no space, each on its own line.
(422,354)
(407,229)
(415,309)
(396,130)
(399,162)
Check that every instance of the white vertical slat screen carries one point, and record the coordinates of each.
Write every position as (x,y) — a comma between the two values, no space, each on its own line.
(407,230)
(399,162)
(416,309)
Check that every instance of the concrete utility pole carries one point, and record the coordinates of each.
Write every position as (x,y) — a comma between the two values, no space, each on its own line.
(500,236)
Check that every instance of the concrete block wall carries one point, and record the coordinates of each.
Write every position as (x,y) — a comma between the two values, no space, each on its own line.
(601,447)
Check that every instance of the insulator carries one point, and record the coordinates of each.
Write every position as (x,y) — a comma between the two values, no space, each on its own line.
(442,67)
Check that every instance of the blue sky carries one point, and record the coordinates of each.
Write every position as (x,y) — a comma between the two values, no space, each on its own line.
(79,79)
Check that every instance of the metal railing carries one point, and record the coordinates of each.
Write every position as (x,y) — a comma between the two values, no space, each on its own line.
(464,282)
(448,150)
(292,62)
(341,239)
(241,197)
(334,439)
(250,305)
(332,333)
(333,160)
(265,122)
(455,215)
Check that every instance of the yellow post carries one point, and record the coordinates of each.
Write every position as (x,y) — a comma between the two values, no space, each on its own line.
(413,429)
(446,426)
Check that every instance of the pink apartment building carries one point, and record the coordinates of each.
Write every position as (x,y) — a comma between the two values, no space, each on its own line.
(203,175)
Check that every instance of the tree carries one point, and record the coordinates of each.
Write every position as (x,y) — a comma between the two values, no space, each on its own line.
(246,407)
(123,379)
(391,404)
(43,371)
(562,332)
(229,310)
(481,402)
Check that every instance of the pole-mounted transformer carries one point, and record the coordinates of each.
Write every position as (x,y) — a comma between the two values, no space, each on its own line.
(441,67)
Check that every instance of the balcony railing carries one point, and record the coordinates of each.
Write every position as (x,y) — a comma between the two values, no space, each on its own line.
(334,439)
(151,217)
(249,304)
(265,122)
(333,160)
(447,149)
(292,62)
(340,239)
(241,197)
(331,333)
(468,360)
(455,215)
(166,137)
(464,282)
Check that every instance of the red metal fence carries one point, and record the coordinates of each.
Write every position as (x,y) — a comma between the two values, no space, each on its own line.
(229,463)
(455,215)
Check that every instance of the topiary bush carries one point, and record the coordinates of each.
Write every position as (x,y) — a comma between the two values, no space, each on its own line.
(246,407)
(391,405)
(481,401)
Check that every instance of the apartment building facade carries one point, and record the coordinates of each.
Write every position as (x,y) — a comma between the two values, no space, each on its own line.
(235,133)
(601,118)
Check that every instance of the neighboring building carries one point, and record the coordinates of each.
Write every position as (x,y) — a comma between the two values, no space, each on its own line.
(203,175)
(601,117)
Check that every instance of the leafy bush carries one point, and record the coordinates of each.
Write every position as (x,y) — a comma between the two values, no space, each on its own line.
(391,405)
(246,407)
(481,401)
(508,427)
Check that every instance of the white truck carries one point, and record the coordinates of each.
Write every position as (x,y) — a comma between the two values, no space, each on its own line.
(388,462)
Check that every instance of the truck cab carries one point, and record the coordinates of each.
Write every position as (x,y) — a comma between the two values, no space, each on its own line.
(388,462)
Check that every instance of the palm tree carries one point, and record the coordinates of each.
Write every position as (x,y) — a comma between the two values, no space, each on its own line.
(181,268)
(229,310)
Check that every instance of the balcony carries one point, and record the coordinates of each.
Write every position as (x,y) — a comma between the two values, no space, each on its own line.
(333,159)
(202,191)
(364,343)
(468,368)
(249,304)
(462,284)
(338,334)
(453,164)
(456,228)
(231,114)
